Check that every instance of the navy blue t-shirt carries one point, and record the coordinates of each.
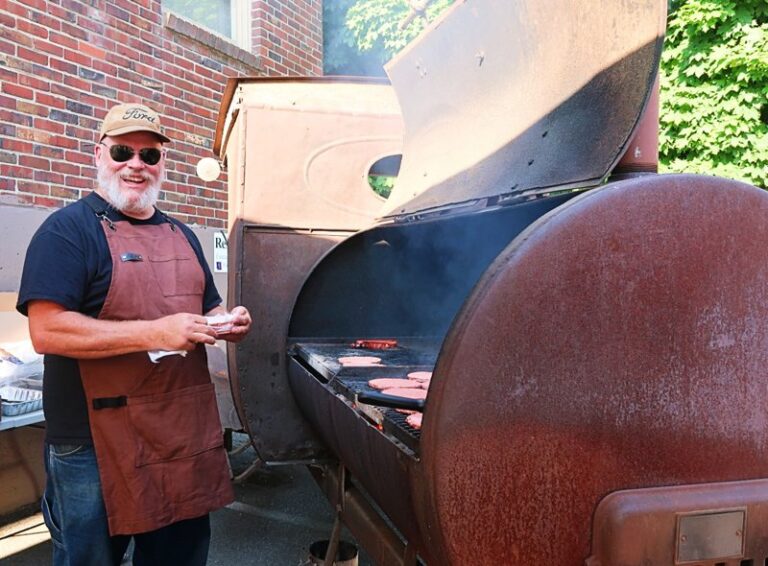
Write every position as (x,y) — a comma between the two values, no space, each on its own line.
(68,262)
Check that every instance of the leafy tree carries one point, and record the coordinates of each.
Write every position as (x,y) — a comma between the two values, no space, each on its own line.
(381,185)
(714,89)
(361,35)
(341,55)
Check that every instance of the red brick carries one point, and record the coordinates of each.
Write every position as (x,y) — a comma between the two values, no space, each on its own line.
(17,145)
(78,58)
(38,163)
(40,5)
(32,108)
(47,72)
(90,49)
(16,172)
(92,25)
(77,157)
(104,67)
(77,83)
(34,82)
(57,13)
(48,47)
(31,28)
(62,191)
(48,202)
(8,184)
(29,186)
(65,168)
(18,91)
(63,66)
(16,9)
(46,19)
(52,178)
(7,48)
(119,85)
(81,182)
(7,21)
(63,141)
(15,36)
(49,126)
(74,31)
(50,152)
(49,100)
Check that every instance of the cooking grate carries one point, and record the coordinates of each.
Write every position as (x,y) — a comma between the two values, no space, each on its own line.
(351,381)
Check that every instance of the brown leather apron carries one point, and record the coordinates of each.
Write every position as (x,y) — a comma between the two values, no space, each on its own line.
(155,426)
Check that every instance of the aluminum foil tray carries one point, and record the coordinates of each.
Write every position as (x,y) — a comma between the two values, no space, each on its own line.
(19,400)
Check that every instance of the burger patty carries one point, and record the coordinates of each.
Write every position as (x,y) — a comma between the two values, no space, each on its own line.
(414,420)
(406,392)
(382,383)
(352,361)
(420,375)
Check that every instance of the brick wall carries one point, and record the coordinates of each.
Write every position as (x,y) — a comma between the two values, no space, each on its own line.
(63,63)
(288,36)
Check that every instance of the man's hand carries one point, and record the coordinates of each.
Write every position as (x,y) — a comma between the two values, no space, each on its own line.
(183,331)
(237,326)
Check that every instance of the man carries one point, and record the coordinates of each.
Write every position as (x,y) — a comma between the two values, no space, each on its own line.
(134,446)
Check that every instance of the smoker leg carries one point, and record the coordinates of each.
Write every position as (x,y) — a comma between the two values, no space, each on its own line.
(257,464)
(239,450)
(333,543)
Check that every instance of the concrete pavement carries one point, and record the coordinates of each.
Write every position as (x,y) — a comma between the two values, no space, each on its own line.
(277,514)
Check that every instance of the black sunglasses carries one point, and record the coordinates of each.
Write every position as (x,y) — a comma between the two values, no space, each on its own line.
(122,153)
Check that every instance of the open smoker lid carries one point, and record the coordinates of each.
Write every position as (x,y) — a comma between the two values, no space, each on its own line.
(505,98)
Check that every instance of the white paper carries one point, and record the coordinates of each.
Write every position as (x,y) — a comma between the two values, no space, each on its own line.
(155,355)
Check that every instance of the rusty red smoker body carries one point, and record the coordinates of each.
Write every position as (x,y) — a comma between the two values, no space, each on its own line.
(597,333)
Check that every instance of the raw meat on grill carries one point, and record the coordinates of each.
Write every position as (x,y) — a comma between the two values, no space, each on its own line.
(382,383)
(414,420)
(353,361)
(407,393)
(420,375)
(376,344)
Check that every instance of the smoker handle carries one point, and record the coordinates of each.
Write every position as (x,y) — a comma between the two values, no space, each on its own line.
(391,401)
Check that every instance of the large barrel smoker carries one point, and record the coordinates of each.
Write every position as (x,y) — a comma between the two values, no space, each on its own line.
(597,333)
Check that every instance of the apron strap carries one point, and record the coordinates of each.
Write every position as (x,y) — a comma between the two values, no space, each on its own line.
(100,208)
(167,219)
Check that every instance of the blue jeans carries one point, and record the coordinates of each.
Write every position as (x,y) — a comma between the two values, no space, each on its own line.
(73,509)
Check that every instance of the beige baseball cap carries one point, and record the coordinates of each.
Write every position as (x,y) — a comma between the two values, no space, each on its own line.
(127,118)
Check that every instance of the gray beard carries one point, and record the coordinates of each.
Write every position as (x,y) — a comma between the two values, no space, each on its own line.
(110,184)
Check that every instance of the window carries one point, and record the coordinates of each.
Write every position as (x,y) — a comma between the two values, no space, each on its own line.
(228,18)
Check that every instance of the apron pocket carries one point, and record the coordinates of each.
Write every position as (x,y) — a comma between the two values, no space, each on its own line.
(177,275)
(175,425)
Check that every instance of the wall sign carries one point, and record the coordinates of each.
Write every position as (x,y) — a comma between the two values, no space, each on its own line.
(219,252)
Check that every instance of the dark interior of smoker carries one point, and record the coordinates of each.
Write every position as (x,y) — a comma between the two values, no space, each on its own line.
(405,281)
